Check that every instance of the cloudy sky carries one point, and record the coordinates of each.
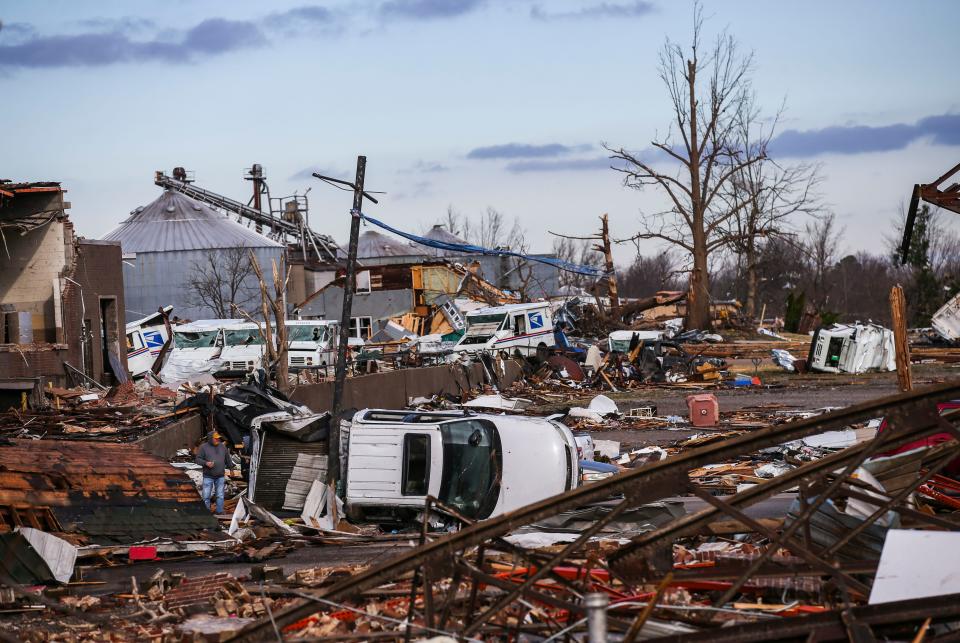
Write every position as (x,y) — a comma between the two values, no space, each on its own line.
(475,103)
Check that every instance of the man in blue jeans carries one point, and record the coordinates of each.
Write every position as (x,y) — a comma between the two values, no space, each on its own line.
(215,460)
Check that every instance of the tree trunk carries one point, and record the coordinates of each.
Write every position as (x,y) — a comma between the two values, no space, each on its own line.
(698,297)
(750,305)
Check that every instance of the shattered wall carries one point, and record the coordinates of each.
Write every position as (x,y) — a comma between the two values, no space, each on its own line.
(72,287)
(34,259)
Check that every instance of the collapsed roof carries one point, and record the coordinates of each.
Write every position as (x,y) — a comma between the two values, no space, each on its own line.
(101,493)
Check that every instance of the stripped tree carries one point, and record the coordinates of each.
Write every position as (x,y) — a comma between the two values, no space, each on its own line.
(763,197)
(275,352)
(698,156)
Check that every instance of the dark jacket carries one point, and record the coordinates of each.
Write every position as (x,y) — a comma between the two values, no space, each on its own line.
(216,454)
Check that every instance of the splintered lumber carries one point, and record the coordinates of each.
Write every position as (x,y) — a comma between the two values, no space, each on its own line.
(898,312)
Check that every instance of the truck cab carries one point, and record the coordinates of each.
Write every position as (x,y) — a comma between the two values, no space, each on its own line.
(311,343)
(197,349)
(526,329)
(243,348)
(480,465)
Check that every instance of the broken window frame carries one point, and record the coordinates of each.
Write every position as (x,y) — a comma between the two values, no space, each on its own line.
(357,326)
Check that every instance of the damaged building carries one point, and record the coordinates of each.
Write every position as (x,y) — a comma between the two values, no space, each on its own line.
(61,296)
(175,240)
(418,296)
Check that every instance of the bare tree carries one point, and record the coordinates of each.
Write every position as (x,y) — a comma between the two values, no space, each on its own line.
(823,251)
(764,197)
(706,92)
(578,251)
(275,351)
(220,282)
(649,274)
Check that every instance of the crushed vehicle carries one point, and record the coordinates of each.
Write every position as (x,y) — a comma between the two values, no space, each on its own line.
(524,329)
(481,465)
(620,341)
(664,359)
(197,349)
(946,321)
(146,340)
(852,348)
(311,343)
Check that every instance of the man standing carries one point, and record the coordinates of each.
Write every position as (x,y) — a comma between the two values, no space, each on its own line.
(215,460)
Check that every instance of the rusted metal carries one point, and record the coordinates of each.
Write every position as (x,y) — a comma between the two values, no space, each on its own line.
(829,626)
(947,198)
(646,484)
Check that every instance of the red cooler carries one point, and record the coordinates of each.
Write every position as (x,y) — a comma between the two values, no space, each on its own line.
(704,409)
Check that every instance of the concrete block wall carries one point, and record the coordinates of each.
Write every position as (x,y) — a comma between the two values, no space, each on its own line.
(393,389)
(27,279)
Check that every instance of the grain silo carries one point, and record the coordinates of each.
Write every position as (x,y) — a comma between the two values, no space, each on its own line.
(176,241)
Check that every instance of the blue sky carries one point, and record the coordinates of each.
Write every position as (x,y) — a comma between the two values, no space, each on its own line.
(474,103)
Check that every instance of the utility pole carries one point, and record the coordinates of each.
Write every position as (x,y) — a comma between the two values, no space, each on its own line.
(333,451)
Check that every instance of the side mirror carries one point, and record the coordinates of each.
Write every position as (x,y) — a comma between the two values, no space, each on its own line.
(475,438)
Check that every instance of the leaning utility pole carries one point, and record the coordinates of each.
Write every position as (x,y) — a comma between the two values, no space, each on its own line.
(333,452)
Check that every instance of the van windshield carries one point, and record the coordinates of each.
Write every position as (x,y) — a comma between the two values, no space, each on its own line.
(245,337)
(201,339)
(480,328)
(472,461)
(304,333)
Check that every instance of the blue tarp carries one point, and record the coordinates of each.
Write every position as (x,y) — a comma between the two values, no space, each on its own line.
(471,249)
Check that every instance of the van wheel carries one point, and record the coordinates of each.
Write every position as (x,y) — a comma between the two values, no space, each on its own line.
(543,353)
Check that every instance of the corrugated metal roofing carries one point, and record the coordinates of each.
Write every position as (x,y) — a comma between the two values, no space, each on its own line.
(439,233)
(277,461)
(374,244)
(109,492)
(174,221)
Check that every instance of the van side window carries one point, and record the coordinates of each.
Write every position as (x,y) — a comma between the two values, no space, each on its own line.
(520,324)
(415,478)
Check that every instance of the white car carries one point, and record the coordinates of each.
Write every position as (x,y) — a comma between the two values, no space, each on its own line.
(480,465)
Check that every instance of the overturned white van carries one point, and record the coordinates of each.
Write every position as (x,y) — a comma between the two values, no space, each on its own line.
(852,348)
(481,465)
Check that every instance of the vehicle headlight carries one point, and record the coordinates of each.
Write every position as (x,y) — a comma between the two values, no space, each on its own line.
(250,363)
(309,360)
(594,476)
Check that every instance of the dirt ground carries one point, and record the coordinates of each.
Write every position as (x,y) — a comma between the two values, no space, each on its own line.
(784,390)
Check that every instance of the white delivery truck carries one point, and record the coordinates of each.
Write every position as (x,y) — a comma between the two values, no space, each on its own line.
(145,340)
(514,328)
(480,465)
(311,343)
(197,349)
(243,348)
